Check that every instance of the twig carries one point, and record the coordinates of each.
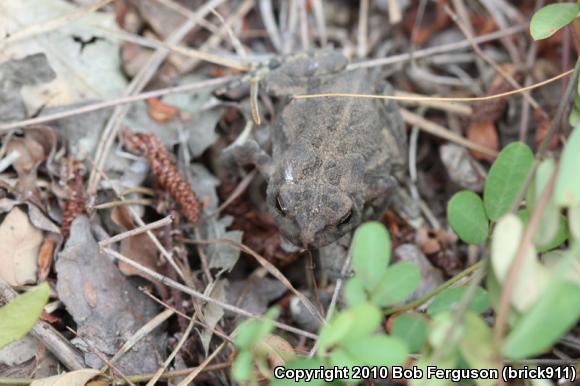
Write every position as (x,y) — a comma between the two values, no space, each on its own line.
(435,50)
(440,131)
(174,352)
(362,32)
(210,83)
(189,379)
(177,312)
(129,201)
(436,99)
(138,335)
(101,356)
(190,291)
(489,60)
(269,21)
(189,52)
(450,107)
(319,18)
(269,267)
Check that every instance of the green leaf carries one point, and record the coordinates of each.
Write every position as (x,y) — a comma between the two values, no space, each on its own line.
(396,285)
(18,316)
(505,179)
(350,324)
(377,350)
(567,189)
(466,215)
(251,331)
(412,328)
(557,310)
(549,19)
(371,252)
(557,240)
(354,292)
(476,346)
(449,297)
(243,367)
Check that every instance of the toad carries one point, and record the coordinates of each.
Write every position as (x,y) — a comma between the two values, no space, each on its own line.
(333,161)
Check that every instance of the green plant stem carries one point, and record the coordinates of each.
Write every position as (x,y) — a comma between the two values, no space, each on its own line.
(431,294)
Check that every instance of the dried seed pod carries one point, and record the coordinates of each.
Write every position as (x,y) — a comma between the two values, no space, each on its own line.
(165,171)
(75,205)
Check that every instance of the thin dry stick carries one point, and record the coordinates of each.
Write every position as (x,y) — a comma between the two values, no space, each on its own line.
(516,266)
(270,268)
(177,312)
(450,107)
(510,79)
(210,83)
(437,99)
(128,201)
(190,291)
(185,51)
(436,50)
(440,131)
(101,356)
(134,232)
(141,333)
(242,186)
(188,13)
(362,32)
(168,256)
(178,347)
(319,19)
(269,21)
(187,380)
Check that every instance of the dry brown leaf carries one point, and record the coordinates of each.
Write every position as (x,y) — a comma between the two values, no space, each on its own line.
(73,378)
(20,243)
(484,134)
(161,112)
(139,248)
(46,257)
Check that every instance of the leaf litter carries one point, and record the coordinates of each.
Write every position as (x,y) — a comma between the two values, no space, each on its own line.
(64,66)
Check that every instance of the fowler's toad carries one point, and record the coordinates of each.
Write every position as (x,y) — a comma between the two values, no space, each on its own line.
(332,159)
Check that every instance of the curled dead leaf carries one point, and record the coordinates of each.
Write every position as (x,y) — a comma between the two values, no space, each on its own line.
(160,111)
(484,134)
(20,243)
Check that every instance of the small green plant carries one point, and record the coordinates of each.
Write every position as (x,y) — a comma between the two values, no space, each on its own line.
(18,316)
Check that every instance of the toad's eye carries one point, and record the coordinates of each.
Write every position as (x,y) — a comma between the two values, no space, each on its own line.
(280,206)
(346,218)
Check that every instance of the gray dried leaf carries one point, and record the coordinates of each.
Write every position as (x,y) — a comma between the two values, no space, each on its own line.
(461,167)
(213,313)
(255,294)
(107,308)
(15,74)
(431,277)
